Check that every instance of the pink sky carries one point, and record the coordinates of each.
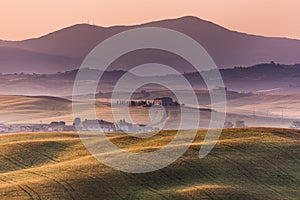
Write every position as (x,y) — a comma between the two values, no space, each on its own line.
(32,18)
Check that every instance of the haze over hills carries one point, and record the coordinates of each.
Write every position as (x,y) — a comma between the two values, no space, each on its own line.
(263,78)
(272,93)
(65,49)
(45,109)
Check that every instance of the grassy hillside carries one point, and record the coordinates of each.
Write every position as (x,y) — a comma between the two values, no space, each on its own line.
(25,109)
(37,109)
(271,105)
(245,164)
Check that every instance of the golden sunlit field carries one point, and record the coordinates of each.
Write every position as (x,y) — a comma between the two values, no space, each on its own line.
(250,163)
(160,100)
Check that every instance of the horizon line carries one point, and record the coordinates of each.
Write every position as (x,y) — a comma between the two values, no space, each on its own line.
(141,24)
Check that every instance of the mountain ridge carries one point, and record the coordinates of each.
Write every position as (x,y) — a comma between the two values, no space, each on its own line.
(148,23)
(228,48)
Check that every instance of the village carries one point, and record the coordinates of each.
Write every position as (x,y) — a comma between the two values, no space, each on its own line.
(87,125)
(100,125)
(91,125)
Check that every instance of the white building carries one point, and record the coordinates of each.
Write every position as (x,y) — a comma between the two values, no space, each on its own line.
(98,126)
(4,128)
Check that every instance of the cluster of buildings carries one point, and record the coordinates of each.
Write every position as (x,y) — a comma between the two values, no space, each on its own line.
(78,125)
(92,125)
(295,125)
(165,101)
(237,124)
(105,126)
(52,127)
(161,101)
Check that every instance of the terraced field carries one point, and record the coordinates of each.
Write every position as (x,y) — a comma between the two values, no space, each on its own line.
(253,163)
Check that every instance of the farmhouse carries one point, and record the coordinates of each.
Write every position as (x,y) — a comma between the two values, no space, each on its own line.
(56,126)
(240,124)
(98,125)
(123,126)
(29,127)
(4,128)
(52,127)
(165,101)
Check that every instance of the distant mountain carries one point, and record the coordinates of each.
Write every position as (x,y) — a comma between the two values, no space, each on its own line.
(27,61)
(65,49)
(263,78)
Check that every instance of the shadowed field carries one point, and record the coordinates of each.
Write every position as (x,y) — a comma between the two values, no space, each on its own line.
(249,163)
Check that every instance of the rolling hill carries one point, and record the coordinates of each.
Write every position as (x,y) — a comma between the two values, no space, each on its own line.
(45,109)
(25,109)
(69,46)
(248,163)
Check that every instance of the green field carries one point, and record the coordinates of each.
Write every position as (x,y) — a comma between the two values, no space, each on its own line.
(250,163)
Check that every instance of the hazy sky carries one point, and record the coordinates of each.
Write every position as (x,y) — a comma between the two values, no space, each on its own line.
(21,19)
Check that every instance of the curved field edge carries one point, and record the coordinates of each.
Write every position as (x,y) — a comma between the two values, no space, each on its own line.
(249,163)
